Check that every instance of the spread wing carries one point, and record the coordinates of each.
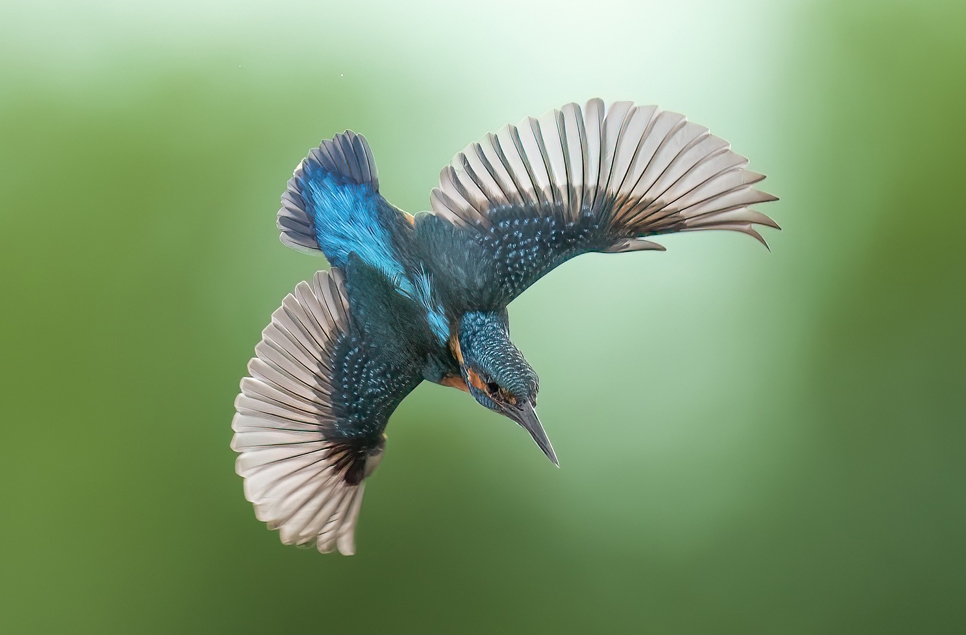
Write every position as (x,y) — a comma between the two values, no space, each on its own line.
(310,417)
(587,179)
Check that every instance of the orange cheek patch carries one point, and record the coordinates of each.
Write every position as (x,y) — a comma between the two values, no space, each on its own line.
(455,382)
(475,380)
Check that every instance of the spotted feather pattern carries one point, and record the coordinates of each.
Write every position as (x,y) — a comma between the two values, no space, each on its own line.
(310,417)
(593,179)
(641,170)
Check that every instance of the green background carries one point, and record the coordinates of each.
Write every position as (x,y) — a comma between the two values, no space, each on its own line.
(750,442)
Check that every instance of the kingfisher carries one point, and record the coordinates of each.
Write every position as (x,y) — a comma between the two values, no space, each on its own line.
(420,298)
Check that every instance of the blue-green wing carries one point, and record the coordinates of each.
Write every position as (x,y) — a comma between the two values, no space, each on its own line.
(311,415)
(585,179)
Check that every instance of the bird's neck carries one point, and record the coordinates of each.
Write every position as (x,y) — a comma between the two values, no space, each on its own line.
(484,342)
(483,335)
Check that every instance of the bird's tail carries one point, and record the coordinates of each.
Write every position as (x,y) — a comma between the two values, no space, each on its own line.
(336,181)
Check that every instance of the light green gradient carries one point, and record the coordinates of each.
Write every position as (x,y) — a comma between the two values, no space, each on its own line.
(750,442)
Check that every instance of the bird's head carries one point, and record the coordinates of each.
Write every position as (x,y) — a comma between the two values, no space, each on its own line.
(497,375)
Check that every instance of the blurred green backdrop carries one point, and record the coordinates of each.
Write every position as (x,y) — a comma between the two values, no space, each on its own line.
(750,442)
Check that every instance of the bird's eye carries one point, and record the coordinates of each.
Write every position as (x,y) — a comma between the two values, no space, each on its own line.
(492,388)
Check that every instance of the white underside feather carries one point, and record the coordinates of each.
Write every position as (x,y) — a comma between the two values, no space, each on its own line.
(293,475)
(657,172)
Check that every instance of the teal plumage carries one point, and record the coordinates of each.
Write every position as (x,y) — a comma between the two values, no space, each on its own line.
(420,298)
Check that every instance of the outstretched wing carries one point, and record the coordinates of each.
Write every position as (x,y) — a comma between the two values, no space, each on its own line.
(590,179)
(310,418)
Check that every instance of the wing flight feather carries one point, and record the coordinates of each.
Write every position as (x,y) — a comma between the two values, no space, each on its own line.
(635,170)
(302,461)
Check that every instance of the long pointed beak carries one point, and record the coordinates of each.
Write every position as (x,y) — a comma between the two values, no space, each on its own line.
(526,416)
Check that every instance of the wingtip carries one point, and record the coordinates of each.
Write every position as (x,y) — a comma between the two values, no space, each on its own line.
(767,221)
(634,244)
(754,234)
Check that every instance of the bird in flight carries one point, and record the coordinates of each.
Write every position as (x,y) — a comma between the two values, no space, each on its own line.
(424,298)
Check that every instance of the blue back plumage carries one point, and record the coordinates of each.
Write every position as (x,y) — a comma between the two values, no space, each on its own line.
(435,314)
(333,205)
